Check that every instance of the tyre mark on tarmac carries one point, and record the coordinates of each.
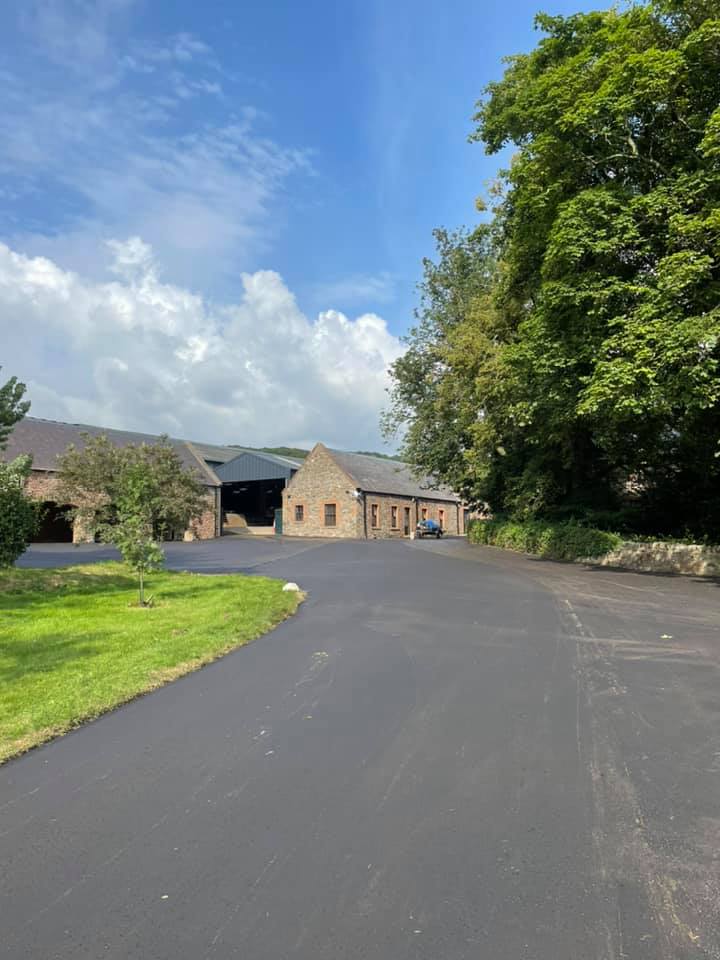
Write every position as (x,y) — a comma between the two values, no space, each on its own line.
(630,859)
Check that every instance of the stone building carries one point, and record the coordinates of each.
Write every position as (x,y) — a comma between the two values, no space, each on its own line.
(336,494)
(46,440)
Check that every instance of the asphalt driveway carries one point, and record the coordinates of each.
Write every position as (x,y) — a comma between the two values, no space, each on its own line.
(450,752)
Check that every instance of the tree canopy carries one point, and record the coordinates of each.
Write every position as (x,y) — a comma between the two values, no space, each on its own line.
(567,353)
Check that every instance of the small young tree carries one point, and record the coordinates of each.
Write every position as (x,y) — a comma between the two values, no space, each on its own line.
(18,513)
(131,497)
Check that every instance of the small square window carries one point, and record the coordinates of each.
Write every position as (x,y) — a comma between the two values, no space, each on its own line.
(299,512)
(330,514)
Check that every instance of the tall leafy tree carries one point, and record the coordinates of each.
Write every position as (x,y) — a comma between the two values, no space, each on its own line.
(604,374)
(610,224)
(434,401)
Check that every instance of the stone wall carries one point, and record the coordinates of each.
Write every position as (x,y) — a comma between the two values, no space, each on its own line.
(42,486)
(206,526)
(320,481)
(391,524)
(662,557)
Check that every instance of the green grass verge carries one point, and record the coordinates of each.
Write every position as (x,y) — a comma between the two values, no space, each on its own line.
(74,643)
(554,541)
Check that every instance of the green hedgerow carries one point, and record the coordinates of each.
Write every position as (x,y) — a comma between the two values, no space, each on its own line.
(554,541)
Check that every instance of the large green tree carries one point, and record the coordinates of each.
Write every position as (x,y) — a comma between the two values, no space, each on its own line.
(444,382)
(608,232)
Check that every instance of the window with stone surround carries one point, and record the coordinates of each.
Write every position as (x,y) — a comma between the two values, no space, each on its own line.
(374,515)
(441,518)
(394,517)
(299,512)
(330,514)
(424,513)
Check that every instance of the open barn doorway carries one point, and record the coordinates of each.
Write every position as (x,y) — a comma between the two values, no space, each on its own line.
(54,525)
(252,487)
(255,500)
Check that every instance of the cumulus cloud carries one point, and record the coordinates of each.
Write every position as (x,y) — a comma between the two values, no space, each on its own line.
(143,354)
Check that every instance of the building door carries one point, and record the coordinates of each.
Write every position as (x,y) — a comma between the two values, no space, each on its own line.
(406,524)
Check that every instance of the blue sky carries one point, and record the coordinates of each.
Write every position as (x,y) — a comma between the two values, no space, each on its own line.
(199,190)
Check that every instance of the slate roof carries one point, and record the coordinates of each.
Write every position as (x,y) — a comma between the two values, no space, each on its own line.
(47,439)
(377,475)
(214,452)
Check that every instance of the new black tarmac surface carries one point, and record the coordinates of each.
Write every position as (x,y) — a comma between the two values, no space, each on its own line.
(450,752)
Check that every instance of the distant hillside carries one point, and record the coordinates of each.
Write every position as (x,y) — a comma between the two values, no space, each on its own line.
(295,452)
(300,454)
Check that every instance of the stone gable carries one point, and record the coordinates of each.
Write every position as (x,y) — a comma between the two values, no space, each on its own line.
(319,483)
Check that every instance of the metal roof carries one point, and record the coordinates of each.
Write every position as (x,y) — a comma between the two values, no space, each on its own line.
(377,475)
(46,440)
(254,465)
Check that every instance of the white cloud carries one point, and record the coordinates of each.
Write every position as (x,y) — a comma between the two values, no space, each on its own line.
(359,288)
(115,136)
(75,34)
(183,47)
(203,198)
(143,354)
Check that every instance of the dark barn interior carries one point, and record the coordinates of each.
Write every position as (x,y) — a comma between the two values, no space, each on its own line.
(54,525)
(252,485)
(256,500)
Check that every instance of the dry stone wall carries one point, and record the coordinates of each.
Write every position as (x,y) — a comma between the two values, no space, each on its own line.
(662,557)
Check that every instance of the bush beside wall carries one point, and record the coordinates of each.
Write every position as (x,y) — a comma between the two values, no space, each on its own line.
(554,541)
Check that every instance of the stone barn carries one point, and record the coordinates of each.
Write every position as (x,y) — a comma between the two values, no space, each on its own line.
(46,440)
(336,494)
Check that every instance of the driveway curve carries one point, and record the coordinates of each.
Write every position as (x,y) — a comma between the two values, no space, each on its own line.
(450,752)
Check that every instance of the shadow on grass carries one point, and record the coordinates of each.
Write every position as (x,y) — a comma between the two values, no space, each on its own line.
(38,593)
(23,658)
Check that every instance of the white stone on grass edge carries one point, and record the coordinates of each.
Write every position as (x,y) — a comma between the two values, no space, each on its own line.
(291,587)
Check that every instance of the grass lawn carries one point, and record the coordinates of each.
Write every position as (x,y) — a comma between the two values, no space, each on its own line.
(73,644)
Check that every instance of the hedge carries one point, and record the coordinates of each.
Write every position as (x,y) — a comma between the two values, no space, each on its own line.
(554,541)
